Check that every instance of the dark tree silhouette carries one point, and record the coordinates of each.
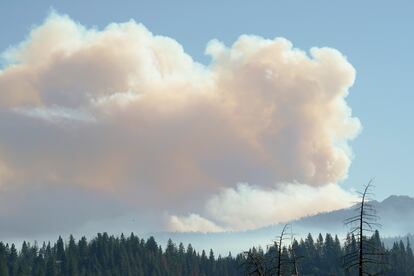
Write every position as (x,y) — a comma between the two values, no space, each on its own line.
(294,257)
(255,263)
(114,255)
(366,255)
(276,260)
(279,245)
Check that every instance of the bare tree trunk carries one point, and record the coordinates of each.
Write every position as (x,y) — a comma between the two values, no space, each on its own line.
(361,255)
(279,259)
(364,253)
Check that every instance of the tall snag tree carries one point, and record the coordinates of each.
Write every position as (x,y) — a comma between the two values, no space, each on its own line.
(259,264)
(363,255)
(255,263)
(282,259)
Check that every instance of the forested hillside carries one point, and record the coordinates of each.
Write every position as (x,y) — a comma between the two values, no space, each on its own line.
(109,255)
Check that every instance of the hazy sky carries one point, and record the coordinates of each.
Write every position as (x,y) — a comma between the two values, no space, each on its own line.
(375,43)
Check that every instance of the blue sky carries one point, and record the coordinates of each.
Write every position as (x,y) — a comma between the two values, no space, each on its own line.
(376,37)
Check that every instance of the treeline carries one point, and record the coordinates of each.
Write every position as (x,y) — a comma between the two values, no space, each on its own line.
(325,256)
(109,255)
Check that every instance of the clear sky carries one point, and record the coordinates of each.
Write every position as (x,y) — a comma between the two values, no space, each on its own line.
(375,36)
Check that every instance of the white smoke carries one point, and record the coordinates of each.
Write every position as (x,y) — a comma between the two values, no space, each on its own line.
(247,207)
(131,115)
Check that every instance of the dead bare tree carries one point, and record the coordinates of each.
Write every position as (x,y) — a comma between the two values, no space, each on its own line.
(282,237)
(289,259)
(365,221)
(255,263)
(258,265)
(294,257)
(295,270)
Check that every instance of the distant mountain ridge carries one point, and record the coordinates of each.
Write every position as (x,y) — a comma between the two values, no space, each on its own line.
(396,215)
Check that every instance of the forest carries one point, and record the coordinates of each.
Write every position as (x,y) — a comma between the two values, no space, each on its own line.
(131,255)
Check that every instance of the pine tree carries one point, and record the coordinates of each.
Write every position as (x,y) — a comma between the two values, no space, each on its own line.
(72,257)
(4,270)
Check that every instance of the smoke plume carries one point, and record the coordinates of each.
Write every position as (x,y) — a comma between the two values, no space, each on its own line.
(130,116)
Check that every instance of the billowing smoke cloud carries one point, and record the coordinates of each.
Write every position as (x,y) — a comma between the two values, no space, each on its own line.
(130,115)
(193,223)
(248,207)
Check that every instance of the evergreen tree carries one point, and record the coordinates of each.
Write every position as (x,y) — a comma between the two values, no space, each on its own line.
(4,270)
(109,255)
